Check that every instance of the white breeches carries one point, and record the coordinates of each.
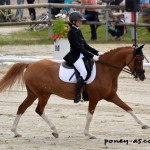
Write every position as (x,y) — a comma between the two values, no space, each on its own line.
(79,65)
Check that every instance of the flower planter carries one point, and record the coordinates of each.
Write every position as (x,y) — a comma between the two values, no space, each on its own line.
(61,48)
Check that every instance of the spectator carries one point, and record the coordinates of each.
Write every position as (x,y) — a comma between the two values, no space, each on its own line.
(115,2)
(2,18)
(145,14)
(2,2)
(32,11)
(119,30)
(5,2)
(91,15)
(129,18)
(67,10)
(55,11)
(19,12)
(76,2)
(8,3)
(112,2)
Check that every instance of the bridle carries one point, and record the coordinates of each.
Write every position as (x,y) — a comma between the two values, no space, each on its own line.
(136,73)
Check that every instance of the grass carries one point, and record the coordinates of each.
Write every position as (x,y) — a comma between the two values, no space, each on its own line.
(33,38)
(25,38)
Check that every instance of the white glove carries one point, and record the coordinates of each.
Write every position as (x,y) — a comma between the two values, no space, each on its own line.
(100,53)
(96,58)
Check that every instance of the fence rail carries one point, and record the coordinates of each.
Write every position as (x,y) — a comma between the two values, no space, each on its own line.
(52,5)
(87,23)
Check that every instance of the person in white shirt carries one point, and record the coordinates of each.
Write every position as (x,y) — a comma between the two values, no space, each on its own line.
(130,18)
(145,14)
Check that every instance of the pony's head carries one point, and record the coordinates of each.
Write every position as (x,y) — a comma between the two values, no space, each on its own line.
(136,64)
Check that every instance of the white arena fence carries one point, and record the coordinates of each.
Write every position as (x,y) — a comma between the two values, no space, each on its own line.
(12,60)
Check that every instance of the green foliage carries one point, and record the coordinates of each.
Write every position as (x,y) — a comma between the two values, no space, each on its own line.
(59,29)
(58,26)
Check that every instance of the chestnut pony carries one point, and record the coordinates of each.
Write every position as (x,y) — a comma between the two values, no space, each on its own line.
(42,79)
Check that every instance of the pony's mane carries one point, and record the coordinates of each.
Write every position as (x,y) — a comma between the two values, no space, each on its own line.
(116,50)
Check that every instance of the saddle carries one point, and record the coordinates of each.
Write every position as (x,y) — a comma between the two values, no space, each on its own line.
(89,66)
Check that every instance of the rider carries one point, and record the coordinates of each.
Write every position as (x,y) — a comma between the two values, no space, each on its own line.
(79,49)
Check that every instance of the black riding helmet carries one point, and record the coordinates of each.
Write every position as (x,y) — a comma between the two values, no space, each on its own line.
(76,15)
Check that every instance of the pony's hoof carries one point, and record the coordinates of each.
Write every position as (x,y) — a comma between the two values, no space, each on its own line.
(18,135)
(145,127)
(93,137)
(55,135)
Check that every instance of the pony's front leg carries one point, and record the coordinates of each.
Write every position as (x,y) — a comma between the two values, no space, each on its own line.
(116,100)
(143,126)
(14,126)
(87,126)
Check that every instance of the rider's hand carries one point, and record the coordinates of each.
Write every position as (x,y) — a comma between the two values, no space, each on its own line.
(96,58)
(100,53)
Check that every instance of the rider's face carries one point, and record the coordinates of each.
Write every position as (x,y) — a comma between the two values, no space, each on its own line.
(78,22)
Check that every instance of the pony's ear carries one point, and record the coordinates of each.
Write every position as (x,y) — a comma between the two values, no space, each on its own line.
(138,50)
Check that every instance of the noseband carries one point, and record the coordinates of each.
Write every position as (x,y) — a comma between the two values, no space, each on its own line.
(136,73)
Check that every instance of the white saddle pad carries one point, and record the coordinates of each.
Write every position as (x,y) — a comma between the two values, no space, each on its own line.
(65,74)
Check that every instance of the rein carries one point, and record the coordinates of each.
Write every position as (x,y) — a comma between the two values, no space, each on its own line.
(136,73)
(124,69)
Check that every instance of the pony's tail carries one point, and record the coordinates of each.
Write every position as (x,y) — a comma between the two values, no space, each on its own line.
(15,73)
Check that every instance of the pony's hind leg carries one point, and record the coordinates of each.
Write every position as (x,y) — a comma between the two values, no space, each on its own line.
(40,110)
(116,100)
(91,109)
(21,109)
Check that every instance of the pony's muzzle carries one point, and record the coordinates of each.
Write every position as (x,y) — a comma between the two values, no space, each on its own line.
(140,75)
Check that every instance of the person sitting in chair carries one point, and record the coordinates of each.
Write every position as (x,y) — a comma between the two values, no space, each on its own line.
(119,30)
(79,49)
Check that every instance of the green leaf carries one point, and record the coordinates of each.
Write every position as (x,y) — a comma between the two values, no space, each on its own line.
(58,26)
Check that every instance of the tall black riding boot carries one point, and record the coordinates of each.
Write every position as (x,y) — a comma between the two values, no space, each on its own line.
(79,85)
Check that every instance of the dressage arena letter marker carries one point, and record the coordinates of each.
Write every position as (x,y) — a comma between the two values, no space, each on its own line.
(57,48)
(61,48)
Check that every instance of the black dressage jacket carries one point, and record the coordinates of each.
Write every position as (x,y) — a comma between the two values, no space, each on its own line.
(77,46)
